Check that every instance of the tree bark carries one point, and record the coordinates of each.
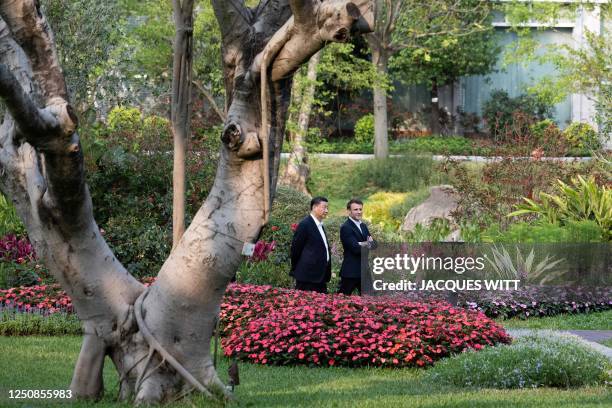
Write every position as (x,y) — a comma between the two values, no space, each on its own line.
(380,60)
(297,170)
(435,110)
(157,337)
(181,104)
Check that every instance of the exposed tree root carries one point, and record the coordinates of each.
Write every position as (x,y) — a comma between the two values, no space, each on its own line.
(155,346)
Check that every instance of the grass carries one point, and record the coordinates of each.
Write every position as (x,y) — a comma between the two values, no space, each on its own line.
(47,362)
(590,321)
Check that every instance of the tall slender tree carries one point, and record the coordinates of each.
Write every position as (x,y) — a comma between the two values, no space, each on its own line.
(402,24)
(180,112)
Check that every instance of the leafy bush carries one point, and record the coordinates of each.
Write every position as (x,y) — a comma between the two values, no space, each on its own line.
(130,179)
(378,207)
(586,200)
(18,263)
(13,323)
(364,129)
(488,195)
(437,230)
(287,327)
(582,135)
(522,232)
(124,119)
(289,206)
(544,360)
(268,272)
(141,245)
(504,115)
(454,145)
(9,221)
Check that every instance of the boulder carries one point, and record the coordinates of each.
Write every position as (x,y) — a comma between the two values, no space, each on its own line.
(442,201)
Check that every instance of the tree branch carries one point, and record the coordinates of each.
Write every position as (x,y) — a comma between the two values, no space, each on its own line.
(31,121)
(31,31)
(211,99)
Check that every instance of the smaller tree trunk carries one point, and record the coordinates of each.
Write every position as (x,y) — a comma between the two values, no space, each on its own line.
(381,134)
(297,171)
(435,109)
(181,98)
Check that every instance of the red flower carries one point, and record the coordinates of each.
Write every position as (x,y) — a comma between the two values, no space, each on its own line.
(274,228)
(294,227)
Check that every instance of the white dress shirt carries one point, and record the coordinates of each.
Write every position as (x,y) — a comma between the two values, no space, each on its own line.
(320,227)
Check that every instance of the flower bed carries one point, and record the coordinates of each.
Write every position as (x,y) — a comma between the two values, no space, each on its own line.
(44,298)
(286,327)
(538,301)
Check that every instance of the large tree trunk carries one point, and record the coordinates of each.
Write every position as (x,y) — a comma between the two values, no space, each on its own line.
(380,60)
(297,171)
(180,112)
(158,337)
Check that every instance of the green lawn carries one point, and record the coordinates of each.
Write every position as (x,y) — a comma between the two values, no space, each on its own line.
(590,321)
(46,363)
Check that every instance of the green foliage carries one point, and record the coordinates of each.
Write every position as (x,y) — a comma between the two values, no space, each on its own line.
(437,230)
(377,209)
(522,232)
(364,129)
(141,245)
(443,58)
(290,205)
(544,360)
(86,33)
(454,145)
(13,323)
(582,135)
(270,272)
(9,221)
(524,267)
(14,274)
(583,200)
(129,175)
(124,119)
(398,174)
(502,113)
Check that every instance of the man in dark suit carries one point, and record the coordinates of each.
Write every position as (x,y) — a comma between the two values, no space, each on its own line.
(354,235)
(310,251)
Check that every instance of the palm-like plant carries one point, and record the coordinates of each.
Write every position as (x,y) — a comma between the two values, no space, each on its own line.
(525,268)
(583,200)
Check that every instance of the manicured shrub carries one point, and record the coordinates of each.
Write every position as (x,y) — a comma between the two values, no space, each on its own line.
(364,129)
(287,327)
(582,135)
(13,323)
(378,207)
(544,360)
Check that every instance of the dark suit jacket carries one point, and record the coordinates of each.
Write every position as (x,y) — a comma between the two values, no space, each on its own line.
(350,236)
(308,259)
